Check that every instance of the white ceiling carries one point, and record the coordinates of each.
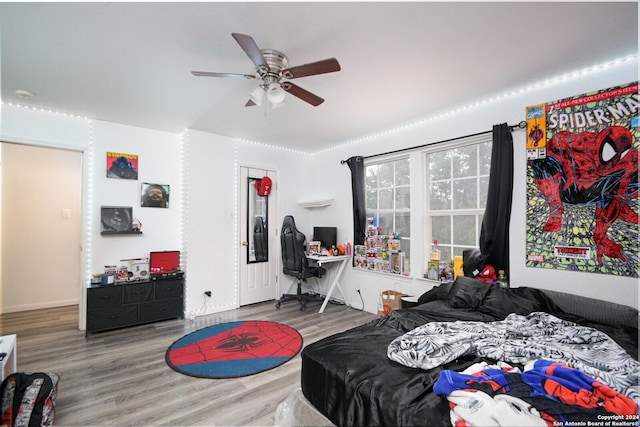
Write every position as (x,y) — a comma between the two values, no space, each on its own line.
(130,63)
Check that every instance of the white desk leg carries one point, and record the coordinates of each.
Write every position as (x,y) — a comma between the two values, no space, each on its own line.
(335,283)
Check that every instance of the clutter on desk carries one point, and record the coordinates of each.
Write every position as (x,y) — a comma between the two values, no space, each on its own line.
(313,248)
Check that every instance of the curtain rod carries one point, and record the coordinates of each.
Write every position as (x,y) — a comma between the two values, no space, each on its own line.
(521,125)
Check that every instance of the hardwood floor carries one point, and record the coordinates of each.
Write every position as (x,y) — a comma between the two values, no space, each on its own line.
(121,378)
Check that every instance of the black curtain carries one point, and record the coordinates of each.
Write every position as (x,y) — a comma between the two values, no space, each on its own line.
(356,164)
(494,235)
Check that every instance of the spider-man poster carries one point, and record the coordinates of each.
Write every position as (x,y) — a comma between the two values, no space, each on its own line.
(123,166)
(582,183)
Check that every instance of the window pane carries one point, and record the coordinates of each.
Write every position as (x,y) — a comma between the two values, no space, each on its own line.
(403,224)
(445,253)
(441,226)
(440,195)
(484,191)
(465,193)
(458,250)
(372,199)
(402,172)
(464,230)
(385,198)
(403,198)
(371,177)
(440,166)
(485,158)
(385,222)
(385,175)
(465,162)
(405,246)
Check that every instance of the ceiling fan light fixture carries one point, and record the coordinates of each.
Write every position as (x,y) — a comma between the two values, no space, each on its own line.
(278,105)
(275,93)
(257,95)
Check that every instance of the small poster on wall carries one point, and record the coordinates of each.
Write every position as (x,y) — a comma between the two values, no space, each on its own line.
(154,195)
(122,166)
(582,183)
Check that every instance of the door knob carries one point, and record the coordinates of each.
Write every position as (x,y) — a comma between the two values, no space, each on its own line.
(245,243)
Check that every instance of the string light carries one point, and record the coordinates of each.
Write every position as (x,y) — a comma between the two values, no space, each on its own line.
(184,203)
(236,230)
(273,147)
(89,159)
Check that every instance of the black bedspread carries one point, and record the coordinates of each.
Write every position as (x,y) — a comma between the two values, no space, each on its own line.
(349,378)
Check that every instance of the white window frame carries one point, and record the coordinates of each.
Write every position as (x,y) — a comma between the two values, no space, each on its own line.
(431,214)
(405,240)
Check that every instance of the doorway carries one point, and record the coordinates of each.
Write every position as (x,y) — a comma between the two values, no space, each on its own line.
(258,229)
(41,227)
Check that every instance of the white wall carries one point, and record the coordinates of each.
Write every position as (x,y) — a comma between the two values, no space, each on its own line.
(623,290)
(37,127)
(158,162)
(212,205)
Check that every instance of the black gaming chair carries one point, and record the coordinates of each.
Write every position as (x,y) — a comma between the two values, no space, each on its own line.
(295,263)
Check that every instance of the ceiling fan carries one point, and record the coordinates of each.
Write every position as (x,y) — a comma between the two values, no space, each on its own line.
(271,68)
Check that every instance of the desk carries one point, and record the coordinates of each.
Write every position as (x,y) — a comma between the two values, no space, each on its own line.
(343,260)
(8,345)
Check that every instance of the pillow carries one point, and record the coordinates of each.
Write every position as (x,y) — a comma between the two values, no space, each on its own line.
(502,302)
(439,292)
(466,292)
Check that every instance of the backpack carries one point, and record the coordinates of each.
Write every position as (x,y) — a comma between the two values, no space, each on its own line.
(28,399)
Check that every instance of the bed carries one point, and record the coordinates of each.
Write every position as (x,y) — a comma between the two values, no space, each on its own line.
(350,378)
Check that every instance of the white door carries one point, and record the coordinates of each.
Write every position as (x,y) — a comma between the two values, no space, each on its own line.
(258,245)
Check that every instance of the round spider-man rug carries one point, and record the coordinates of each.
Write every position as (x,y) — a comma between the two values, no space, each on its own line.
(234,349)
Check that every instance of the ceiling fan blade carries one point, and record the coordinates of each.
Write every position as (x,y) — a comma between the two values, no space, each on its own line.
(251,49)
(250,103)
(321,67)
(303,94)
(210,74)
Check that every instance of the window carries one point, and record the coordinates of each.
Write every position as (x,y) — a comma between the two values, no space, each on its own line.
(458,181)
(387,187)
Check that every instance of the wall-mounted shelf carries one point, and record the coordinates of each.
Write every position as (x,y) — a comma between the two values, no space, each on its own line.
(112,233)
(316,203)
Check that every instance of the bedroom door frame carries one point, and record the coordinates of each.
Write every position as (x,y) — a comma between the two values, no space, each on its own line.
(257,280)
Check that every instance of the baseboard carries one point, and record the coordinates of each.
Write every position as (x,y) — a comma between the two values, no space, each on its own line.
(39,306)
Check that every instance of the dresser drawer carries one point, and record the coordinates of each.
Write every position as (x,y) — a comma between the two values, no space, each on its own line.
(113,317)
(108,296)
(160,310)
(138,292)
(169,289)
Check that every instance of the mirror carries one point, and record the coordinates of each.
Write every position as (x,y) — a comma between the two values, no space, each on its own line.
(257,218)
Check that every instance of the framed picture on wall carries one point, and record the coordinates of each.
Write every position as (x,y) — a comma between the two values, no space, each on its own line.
(122,166)
(115,219)
(155,195)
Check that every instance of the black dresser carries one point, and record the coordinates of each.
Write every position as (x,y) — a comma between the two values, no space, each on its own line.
(134,303)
